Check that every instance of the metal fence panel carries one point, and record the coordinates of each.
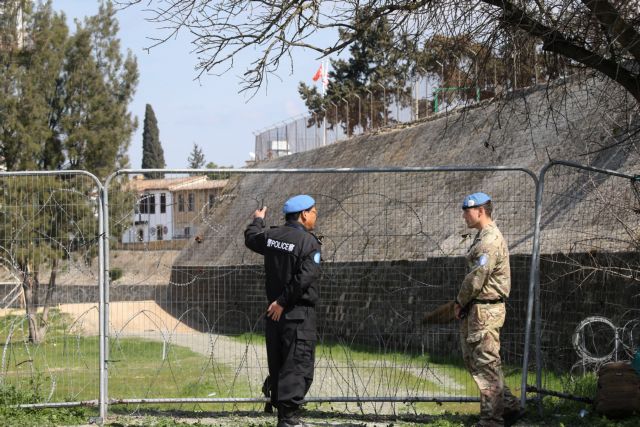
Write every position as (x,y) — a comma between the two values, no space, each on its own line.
(588,309)
(50,240)
(187,300)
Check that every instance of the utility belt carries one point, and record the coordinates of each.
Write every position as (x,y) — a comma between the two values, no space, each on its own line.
(487,301)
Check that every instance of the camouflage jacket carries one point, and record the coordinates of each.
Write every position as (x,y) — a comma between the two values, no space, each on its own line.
(489,276)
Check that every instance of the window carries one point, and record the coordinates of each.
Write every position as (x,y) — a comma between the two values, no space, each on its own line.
(159,233)
(148,204)
(187,231)
(212,200)
(192,202)
(180,203)
(163,203)
(140,234)
(144,204)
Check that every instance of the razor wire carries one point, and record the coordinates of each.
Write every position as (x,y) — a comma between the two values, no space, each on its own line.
(375,225)
(597,340)
(386,278)
(588,265)
(51,259)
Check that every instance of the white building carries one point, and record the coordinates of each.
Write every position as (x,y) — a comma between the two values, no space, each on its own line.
(153,214)
(171,208)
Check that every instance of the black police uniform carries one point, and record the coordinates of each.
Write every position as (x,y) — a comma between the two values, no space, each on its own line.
(292,266)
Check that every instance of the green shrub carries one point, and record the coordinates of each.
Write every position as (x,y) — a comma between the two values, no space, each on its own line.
(115,273)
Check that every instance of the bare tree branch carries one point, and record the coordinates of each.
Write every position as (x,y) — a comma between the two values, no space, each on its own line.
(599,34)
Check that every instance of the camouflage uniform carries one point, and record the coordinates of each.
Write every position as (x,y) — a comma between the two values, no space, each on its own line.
(488,280)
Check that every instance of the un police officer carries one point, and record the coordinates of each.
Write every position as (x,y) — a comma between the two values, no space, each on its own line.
(292,266)
(480,305)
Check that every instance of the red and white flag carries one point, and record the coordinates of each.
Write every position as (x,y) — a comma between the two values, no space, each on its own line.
(319,74)
(323,75)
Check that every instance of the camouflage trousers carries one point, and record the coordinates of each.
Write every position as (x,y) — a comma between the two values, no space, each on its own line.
(480,339)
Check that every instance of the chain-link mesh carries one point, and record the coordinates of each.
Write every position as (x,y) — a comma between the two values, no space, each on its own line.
(49,290)
(187,301)
(589,284)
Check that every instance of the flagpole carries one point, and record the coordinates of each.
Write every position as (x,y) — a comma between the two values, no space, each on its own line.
(324,118)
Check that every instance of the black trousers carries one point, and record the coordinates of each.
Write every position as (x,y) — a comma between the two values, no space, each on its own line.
(291,344)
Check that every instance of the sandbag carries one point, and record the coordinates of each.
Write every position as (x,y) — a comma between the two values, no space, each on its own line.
(618,392)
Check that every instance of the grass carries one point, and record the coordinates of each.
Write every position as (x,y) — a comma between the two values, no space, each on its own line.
(64,368)
(392,372)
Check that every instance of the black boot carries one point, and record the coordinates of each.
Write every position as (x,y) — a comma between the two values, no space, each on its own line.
(266,391)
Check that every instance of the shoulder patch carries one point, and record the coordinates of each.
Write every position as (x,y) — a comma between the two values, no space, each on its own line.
(483,260)
(316,257)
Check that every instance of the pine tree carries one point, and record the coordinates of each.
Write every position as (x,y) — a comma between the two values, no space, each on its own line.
(152,153)
(63,105)
(99,87)
(378,59)
(196,159)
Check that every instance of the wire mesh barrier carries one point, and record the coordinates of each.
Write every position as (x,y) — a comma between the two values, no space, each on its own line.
(359,114)
(184,309)
(588,311)
(50,242)
(188,324)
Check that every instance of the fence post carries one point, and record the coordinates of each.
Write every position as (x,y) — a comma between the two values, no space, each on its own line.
(104,295)
(534,289)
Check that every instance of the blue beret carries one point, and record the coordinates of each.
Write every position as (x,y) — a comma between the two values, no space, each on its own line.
(298,204)
(475,199)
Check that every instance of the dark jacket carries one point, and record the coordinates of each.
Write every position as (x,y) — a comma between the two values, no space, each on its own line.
(291,262)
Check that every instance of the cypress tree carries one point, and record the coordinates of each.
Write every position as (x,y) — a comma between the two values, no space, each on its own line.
(152,153)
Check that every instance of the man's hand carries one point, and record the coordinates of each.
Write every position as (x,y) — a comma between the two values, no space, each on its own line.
(260,213)
(274,311)
(457,309)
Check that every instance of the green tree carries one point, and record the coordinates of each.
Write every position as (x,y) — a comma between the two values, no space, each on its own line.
(63,105)
(99,85)
(361,86)
(31,94)
(65,97)
(218,175)
(44,221)
(152,153)
(196,159)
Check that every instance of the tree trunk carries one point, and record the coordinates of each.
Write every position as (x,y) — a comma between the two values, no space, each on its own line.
(47,298)
(30,307)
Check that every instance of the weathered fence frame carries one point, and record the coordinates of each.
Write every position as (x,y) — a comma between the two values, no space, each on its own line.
(103,396)
(535,267)
(533,311)
(440,169)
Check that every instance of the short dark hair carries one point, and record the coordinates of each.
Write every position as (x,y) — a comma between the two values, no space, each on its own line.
(488,208)
(293,216)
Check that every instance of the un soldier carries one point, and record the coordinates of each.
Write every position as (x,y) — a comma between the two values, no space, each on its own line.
(292,266)
(480,305)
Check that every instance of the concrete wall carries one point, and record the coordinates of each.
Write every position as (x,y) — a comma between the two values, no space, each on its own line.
(379,305)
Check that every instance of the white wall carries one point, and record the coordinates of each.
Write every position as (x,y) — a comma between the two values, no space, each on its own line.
(148,222)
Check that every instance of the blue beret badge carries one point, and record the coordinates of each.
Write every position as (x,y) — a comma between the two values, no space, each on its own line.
(316,257)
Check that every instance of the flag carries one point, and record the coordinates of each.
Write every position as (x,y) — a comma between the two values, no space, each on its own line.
(319,74)
(325,75)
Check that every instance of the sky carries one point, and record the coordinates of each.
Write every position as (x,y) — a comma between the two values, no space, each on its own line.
(210,111)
